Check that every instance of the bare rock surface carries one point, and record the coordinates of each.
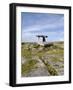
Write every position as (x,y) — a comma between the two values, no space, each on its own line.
(40,71)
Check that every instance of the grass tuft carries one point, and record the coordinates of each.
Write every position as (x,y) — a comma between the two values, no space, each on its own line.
(28,66)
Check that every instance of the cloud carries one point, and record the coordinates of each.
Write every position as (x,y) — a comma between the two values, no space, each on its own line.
(39,26)
(53,27)
(31,37)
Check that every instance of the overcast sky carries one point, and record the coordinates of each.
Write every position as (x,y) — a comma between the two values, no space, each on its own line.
(33,24)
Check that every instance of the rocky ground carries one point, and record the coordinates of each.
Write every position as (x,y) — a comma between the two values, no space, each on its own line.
(45,60)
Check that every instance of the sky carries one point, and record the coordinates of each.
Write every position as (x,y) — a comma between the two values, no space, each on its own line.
(33,24)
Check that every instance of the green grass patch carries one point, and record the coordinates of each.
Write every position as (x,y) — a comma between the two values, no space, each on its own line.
(36,46)
(26,53)
(50,68)
(28,66)
(55,51)
(55,59)
(62,66)
(40,53)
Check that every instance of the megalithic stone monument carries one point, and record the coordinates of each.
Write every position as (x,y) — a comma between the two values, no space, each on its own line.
(42,39)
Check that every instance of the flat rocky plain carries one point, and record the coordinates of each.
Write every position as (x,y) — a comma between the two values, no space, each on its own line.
(40,60)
